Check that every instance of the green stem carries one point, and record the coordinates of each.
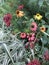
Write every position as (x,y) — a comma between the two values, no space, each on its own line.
(37,35)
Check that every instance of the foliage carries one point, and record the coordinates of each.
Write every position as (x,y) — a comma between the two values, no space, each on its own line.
(22,20)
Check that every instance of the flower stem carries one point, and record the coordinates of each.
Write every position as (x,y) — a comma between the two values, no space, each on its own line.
(46,33)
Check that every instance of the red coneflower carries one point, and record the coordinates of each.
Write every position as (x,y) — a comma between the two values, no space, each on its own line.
(34,62)
(31,37)
(32,45)
(7,18)
(20,7)
(23,35)
(46,55)
(33,26)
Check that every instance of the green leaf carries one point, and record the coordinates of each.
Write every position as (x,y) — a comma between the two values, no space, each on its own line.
(47,15)
(40,2)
